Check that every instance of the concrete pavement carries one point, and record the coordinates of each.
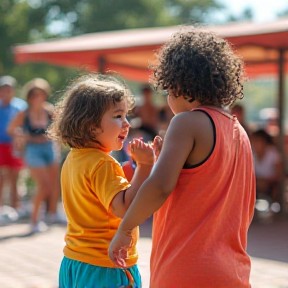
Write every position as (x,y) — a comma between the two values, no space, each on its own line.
(32,261)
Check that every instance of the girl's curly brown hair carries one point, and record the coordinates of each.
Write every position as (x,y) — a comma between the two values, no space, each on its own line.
(198,64)
(83,106)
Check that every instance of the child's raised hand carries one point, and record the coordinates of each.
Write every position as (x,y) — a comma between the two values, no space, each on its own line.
(157,146)
(141,152)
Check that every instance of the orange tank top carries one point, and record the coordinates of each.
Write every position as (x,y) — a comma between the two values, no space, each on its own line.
(200,233)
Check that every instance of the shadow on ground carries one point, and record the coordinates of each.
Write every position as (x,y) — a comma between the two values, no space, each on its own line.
(269,240)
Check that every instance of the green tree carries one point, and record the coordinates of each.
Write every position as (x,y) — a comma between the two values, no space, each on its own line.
(14,26)
(19,24)
(103,15)
(247,14)
(283,13)
(28,21)
(196,11)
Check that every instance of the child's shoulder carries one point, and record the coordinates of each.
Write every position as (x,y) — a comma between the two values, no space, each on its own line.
(190,126)
(189,119)
(90,158)
(91,154)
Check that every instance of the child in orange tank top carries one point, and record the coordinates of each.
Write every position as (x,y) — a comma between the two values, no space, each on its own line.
(202,188)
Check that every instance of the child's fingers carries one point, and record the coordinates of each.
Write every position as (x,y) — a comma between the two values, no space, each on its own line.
(138,146)
(157,146)
(157,140)
(131,146)
(118,259)
(136,143)
(157,143)
(139,143)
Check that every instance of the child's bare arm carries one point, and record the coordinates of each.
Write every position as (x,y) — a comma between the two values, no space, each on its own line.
(142,153)
(157,146)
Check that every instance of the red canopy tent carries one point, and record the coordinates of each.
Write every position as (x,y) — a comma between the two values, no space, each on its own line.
(128,51)
(264,47)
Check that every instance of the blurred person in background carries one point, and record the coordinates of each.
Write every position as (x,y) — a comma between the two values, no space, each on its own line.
(9,164)
(268,165)
(270,118)
(148,113)
(239,111)
(40,153)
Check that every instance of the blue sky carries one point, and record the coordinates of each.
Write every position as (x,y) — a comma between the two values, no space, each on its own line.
(263,10)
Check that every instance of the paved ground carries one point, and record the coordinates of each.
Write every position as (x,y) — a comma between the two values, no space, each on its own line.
(32,261)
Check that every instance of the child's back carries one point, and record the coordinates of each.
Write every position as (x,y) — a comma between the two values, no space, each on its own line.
(209,232)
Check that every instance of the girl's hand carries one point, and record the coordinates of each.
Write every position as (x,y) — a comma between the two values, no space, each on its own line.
(141,152)
(157,146)
(118,249)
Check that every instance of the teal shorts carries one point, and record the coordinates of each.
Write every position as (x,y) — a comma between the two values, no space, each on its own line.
(76,274)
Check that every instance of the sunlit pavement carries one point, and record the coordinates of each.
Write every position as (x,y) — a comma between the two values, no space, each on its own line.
(33,261)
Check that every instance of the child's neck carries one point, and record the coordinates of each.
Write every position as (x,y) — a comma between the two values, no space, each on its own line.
(197,104)
(212,106)
(97,145)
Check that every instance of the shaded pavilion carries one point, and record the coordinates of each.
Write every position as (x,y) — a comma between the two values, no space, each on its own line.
(263,46)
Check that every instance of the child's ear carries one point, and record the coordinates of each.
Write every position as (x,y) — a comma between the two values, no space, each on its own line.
(95,131)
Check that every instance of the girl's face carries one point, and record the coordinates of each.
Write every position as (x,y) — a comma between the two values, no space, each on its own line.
(37,98)
(114,127)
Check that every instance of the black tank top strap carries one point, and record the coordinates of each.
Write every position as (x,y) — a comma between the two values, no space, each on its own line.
(214,141)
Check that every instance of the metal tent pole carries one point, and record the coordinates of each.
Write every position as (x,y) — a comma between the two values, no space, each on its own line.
(281,107)
(101,64)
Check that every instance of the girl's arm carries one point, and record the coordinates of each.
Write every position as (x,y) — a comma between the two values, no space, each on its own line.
(144,157)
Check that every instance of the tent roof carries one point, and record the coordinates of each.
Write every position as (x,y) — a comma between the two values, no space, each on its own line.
(128,51)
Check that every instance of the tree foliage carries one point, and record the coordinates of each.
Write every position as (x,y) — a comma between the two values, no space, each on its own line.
(283,13)
(103,15)
(27,21)
(246,14)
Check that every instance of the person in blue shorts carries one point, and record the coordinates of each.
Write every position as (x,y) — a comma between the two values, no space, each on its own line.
(40,153)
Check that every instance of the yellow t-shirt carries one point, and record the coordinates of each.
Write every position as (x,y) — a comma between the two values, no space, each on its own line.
(90,179)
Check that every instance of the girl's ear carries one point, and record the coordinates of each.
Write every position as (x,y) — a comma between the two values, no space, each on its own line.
(95,131)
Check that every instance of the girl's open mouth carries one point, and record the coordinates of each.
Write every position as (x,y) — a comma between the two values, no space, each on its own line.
(122,137)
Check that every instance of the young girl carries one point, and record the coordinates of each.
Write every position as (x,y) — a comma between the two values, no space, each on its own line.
(91,119)
(203,184)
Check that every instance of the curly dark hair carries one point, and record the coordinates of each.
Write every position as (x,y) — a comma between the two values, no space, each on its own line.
(83,106)
(197,64)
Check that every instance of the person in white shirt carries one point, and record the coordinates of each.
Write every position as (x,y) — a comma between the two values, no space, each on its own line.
(268,165)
